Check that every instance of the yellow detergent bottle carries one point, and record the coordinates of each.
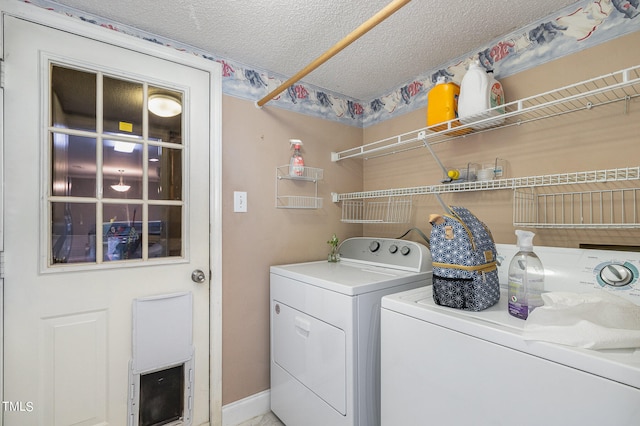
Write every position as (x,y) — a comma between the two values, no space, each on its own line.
(442,105)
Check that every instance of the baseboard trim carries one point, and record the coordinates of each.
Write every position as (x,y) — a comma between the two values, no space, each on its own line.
(247,408)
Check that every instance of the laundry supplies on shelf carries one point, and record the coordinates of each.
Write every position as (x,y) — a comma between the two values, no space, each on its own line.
(442,105)
(481,96)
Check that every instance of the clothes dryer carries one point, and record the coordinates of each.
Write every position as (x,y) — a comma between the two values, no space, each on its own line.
(325,330)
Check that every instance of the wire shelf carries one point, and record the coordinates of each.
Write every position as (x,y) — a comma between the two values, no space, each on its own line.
(298,202)
(612,208)
(310,174)
(614,87)
(393,210)
(591,176)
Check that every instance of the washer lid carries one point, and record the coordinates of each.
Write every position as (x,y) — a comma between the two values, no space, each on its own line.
(347,277)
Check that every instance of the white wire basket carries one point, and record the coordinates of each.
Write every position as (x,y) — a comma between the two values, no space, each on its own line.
(290,178)
(303,173)
(298,202)
(611,208)
(393,210)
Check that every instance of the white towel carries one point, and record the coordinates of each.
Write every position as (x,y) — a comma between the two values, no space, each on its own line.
(598,320)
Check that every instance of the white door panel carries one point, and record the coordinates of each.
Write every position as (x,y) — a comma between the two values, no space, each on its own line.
(68,326)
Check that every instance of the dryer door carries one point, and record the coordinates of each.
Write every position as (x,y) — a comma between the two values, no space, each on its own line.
(313,352)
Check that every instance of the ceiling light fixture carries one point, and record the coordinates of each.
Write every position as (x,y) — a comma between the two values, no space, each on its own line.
(164,105)
(126,147)
(121,187)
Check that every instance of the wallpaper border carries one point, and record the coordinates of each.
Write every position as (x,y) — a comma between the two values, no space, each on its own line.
(576,27)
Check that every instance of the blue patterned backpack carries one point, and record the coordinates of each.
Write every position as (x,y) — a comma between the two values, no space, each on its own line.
(465,275)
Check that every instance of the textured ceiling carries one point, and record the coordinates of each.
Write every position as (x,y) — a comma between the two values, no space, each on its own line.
(284,36)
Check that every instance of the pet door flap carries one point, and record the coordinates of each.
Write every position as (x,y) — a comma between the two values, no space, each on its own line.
(162,331)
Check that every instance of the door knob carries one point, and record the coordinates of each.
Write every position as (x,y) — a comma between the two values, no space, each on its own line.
(198,276)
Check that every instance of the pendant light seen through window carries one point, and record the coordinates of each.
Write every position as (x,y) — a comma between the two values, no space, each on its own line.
(120,186)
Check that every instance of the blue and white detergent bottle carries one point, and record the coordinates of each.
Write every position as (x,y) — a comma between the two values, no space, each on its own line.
(526,278)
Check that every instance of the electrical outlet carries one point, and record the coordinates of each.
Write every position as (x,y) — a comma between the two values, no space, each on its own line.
(239,202)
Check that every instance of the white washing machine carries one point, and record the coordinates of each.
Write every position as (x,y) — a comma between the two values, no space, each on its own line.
(451,367)
(325,330)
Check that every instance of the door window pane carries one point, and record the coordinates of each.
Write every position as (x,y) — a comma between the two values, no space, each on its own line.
(73,165)
(73,98)
(165,173)
(72,233)
(122,170)
(167,241)
(122,232)
(165,123)
(123,102)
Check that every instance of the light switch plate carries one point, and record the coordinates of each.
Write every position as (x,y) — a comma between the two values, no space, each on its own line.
(239,202)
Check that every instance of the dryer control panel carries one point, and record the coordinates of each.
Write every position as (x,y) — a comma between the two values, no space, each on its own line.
(387,252)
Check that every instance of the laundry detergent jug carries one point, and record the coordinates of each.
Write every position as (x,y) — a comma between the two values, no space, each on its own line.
(480,97)
(442,106)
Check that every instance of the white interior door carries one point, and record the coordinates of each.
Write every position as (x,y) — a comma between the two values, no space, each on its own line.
(78,251)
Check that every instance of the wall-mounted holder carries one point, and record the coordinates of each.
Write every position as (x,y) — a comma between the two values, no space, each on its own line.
(307,175)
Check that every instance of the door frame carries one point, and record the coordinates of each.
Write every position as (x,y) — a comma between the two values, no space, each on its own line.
(55,20)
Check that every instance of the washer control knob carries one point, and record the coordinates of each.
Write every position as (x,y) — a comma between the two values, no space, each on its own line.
(616,275)
(374,246)
(393,248)
(405,250)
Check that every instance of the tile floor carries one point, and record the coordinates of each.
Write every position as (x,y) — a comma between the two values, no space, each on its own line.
(268,419)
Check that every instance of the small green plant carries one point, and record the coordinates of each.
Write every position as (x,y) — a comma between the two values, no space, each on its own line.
(334,256)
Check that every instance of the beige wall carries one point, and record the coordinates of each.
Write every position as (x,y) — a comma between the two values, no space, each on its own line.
(255,142)
(601,138)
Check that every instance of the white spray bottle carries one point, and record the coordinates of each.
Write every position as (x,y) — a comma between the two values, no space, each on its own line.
(526,278)
(296,164)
